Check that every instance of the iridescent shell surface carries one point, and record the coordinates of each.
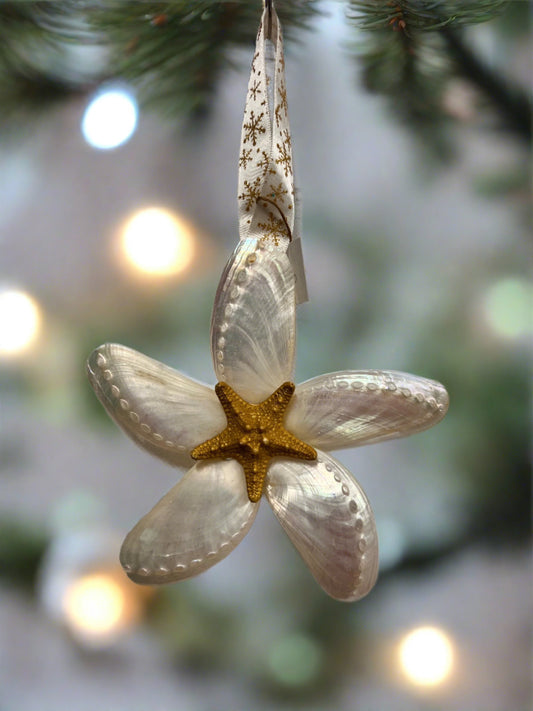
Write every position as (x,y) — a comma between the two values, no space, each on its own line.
(198,523)
(328,518)
(253,326)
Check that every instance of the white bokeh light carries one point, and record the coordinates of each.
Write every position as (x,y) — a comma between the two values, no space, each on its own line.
(156,242)
(426,656)
(19,322)
(110,118)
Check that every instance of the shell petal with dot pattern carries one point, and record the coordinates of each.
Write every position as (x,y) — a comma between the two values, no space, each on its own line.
(328,518)
(254,321)
(198,523)
(162,410)
(353,407)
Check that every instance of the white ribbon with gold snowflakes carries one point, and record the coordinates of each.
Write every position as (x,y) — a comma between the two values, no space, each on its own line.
(266,185)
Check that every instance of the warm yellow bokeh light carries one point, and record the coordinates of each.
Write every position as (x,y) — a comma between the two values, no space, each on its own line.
(19,322)
(426,656)
(95,606)
(157,242)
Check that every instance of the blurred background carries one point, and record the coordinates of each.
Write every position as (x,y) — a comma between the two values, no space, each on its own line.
(120,133)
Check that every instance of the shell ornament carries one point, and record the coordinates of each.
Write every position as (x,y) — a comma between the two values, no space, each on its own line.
(257,435)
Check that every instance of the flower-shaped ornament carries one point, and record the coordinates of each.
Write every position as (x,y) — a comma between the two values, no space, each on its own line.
(256,433)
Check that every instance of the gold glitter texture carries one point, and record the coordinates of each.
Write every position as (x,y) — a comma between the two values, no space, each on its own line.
(253,435)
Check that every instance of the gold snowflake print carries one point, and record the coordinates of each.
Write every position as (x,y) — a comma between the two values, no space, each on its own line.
(265,164)
(285,156)
(283,105)
(245,158)
(273,229)
(251,192)
(255,89)
(253,128)
(277,114)
(277,192)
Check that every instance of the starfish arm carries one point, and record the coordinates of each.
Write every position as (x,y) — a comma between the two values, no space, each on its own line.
(198,523)
(290,446)
(328,518)
(163,411)
(231,402)
(351,408)
(253,324)
(206,449)
(280,399)
(222,446)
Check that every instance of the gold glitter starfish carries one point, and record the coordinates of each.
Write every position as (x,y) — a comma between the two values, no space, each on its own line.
(254,434)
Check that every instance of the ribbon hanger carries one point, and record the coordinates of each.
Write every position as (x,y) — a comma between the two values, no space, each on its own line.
(266,182)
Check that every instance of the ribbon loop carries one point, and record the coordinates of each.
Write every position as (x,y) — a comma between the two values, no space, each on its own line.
(266,181)
(266,189)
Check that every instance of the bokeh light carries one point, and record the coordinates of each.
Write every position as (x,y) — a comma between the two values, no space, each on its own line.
(157,242)
(110,118)
(426,656)
(295,660)
(508,309)
(19,322)
(97,607)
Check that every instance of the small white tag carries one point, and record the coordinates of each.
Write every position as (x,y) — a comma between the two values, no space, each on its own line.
(296,258)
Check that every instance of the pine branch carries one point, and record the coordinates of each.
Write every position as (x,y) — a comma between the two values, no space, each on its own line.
(22,547)
(175,52)
(402,60)
(36,70)
(513,105)
(414,48)
(426,15)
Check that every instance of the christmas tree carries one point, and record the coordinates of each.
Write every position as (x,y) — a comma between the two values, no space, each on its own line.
(428,276)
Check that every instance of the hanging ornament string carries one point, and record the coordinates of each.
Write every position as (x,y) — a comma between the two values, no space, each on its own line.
(266,178)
